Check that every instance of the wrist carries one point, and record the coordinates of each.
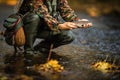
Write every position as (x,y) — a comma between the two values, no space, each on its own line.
(59,26)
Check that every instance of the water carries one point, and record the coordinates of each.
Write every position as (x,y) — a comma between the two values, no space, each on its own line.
(90,46)
(103,40)
(101,36)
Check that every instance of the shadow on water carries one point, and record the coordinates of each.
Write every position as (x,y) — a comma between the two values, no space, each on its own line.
(17,69)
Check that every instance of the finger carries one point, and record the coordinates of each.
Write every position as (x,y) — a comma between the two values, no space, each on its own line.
(73,26)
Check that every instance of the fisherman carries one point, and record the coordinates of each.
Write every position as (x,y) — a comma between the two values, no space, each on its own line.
(42,19)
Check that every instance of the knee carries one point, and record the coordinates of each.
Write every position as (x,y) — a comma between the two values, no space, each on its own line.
(71,38)
(68,37)
(31,23)
(31,18)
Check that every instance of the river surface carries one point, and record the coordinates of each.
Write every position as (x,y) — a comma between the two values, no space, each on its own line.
(90,46)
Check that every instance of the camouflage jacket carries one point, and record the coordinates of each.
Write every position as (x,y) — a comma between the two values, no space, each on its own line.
(44,8)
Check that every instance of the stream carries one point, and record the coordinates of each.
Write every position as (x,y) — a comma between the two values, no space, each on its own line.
(90,46)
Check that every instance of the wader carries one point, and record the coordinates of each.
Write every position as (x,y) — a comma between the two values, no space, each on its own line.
(35,27)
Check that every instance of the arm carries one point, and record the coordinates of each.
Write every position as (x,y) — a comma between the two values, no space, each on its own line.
(42,11)
(69,15)
(66,12)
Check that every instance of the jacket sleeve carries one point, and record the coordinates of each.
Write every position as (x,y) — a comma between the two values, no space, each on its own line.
(66,12)
(42,11)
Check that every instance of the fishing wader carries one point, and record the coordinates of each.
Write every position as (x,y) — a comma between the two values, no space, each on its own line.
(35,27)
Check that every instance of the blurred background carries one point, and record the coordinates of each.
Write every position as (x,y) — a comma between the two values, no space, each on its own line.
(8,2)
(96,7)
(91,44)
(93,7)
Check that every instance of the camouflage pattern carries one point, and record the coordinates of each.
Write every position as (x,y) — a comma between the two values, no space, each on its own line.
(41,19)
(42,8)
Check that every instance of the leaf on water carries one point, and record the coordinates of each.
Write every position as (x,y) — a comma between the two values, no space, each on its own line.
(104,67)
(51,66)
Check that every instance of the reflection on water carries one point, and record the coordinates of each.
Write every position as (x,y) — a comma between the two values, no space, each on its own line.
(16,68)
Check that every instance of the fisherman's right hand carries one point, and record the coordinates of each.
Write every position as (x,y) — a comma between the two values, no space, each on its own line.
(67,26)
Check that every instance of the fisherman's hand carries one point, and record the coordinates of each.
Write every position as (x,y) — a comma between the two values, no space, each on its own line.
(84,23)
(67,26)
